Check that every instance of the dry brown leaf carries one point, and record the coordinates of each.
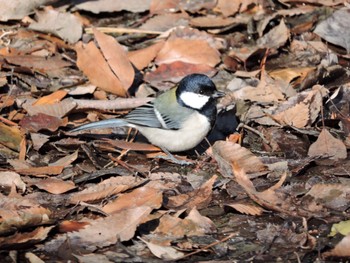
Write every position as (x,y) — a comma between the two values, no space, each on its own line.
(45,170)
(175,71)
(116,58)
(15,10)
(55,186)
(301,110)
(174,227)
(143,196)
(20,212)
(63,24)
(105,189)
(163,252)
(203,222)
(107,231)
(70,226)
(291,74)
(166,21)
(59,109)
(11,137)
(93,64)
(212,21)
(8,179)
(134,6)
(268,90)
(276,37)
(66,160)
(245,208)
(333,196)
(141,58)
(42,121)
(164,6)
(225,153)
(327,146)
(26,238)
(229,7)
(164,181)
(194,51)
(38,63)
(272,198)
(342,249)
(52,98)
(296,116)
(199,198)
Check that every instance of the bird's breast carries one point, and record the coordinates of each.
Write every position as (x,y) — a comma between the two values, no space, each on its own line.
(191,133)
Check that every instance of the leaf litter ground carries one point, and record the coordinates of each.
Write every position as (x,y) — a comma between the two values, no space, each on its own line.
(273,188)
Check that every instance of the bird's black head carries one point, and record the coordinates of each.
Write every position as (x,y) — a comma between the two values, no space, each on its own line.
(196,91)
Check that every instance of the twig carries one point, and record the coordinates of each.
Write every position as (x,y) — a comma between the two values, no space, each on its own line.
(117,104)
(208,246)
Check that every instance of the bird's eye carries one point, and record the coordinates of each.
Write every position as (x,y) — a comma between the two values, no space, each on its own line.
(201,92)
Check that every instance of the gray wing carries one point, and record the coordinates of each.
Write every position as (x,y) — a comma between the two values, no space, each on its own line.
(147,115)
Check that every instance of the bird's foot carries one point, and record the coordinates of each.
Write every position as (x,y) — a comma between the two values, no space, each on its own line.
(173,159)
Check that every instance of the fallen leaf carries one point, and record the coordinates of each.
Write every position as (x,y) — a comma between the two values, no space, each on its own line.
(166,21)
(21,212)
(26,238)
(55,186)
(107,231)
(134,6)
(342,227)
(93,64)
(52,98)
(226,153)
(335,28)
(199,198)
(39,140)
(106,188)
(175,71)
(12,10)
(45,170)
(194,51)
(70,226)
(63,24)
(11,137)
(116,58)
(202,222)
(42,121)
(342,249)
(228,7)
(143,196)
(245,208)
(59,109)
(8,179)
(164,6)
(327,146)
(141,58)
(163,252)
(66,160)
(272,198)
(276,37)
(42,64)
(333,196)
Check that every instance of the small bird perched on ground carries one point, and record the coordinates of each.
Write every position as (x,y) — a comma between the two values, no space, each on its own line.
(177,120)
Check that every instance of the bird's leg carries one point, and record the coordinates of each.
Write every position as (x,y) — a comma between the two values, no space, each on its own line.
(172,158)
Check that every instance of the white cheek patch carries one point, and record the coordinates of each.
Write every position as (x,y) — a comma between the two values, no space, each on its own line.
(194,100)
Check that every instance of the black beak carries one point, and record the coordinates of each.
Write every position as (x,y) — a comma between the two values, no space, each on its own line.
(218,94)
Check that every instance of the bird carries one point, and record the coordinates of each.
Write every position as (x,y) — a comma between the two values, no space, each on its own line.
(176,120)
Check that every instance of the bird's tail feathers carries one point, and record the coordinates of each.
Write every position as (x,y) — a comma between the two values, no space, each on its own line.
(110,123)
